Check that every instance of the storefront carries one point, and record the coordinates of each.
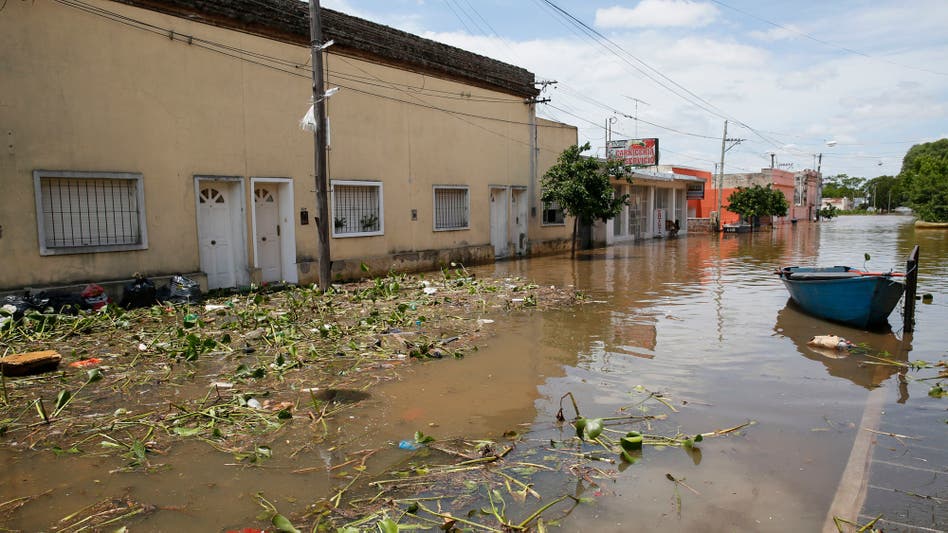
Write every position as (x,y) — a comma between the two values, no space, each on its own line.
(657,202)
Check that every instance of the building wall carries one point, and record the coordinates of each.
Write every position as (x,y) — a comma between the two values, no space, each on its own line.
(780,180)
(699,208)
(553,138)
(82,93)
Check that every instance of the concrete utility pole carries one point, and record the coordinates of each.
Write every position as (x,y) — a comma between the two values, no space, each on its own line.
(721,174)
(724,148)
(319,137)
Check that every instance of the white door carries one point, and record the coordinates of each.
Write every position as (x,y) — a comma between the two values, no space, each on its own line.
(498,221)
(266,204)
(518,210)
(216,234)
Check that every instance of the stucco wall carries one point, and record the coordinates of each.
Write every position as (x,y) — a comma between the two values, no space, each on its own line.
(82,93)
(553,138)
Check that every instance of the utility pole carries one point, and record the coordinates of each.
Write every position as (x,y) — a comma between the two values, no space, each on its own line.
(609,122)
(319,138)
(724,148)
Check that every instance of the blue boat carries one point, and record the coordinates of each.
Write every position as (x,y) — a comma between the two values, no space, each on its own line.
(844,294)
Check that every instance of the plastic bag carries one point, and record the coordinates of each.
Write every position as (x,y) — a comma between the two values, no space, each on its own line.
(183,290)
(15,306)
(139,293)
(95,296)
(58,302)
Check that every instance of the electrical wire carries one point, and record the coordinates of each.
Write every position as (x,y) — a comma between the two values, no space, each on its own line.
(824,42)
(682,92)
(230,52)
(458,16)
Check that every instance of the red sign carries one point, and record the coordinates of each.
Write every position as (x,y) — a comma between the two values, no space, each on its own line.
(634,152)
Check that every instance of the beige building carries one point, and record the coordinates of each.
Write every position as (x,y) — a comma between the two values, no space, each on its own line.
(162,137)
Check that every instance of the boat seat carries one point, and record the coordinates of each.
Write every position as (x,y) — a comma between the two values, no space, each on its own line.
(816,276)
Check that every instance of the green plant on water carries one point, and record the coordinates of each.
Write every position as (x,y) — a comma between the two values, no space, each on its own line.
(381,289)
(280,522)
(195,346)
(135,450)
(65,397)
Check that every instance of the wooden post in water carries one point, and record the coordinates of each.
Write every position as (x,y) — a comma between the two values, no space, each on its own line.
(911,284)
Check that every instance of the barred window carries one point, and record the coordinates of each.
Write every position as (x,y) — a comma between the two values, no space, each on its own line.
(357,209)
(553,214)
(86,212)
(451,208)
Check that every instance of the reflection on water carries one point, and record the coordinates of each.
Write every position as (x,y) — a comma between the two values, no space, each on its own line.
(864,371)
(700,319)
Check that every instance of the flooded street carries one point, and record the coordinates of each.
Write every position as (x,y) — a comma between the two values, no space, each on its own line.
(701,320)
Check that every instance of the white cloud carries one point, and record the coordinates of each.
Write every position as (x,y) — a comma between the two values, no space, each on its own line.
(811,78)
(777,34)
(801,95)
(661,13)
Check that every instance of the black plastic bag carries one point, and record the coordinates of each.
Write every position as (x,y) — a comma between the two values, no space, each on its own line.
(15,306)
(139,293)
(58,302)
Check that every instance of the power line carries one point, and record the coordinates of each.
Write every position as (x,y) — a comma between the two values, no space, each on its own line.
(239,54)
(463,23)
(615,48)
(824,42)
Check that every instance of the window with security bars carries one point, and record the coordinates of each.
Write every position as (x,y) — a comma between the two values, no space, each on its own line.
(85,212)
(553,214)
(451,208)
(357,208)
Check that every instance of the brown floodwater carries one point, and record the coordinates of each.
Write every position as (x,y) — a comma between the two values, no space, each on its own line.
(700,319)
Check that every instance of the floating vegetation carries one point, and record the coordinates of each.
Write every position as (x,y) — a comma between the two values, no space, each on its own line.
(235,370)
(483,485)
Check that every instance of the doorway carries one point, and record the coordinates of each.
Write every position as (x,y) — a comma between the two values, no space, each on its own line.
(518,212)
(274,244)
(499,215)
(220,222)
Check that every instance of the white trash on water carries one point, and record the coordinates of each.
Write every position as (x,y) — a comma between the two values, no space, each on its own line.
(833,342)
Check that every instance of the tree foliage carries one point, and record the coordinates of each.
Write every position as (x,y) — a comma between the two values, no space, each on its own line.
(924,179)
(757,201)
(582,188)
(829,212)
(842,186)
(885,192)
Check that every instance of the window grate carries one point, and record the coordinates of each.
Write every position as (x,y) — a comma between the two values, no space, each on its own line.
(357,208)
(553,214)
(451,208)
(85,212)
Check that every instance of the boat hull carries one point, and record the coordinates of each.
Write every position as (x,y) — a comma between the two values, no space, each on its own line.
(840,295)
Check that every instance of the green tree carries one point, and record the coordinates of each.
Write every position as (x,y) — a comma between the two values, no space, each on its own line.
(582,188)
(924,178)
(885,192)
(757,201)
(829,212)
(842,186)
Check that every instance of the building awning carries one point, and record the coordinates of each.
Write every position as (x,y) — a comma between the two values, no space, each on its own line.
(667,177)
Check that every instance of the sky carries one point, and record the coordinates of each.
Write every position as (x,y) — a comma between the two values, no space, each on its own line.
(858,81)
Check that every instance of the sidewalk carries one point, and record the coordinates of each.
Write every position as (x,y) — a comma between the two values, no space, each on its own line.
(899,465)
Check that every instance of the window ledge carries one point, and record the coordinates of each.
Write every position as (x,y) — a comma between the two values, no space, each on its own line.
(72,250)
